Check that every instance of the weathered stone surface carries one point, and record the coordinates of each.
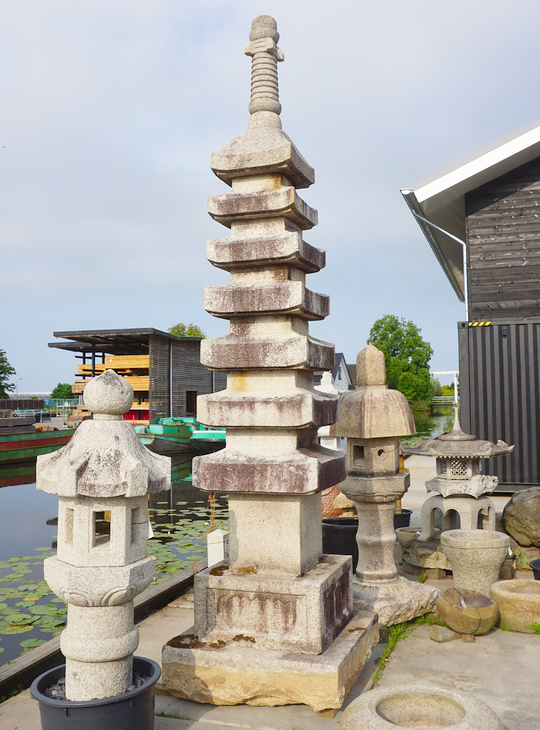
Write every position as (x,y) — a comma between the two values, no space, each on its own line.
(98,586)
(519,604)
(476,486)
(282,536)
(475,557)
(374,413)
(396,601)
(467,612)
(304,472)
(302,616)
(240,673)
(295,351)
(443,634)
(521,517)
(418,705)
(81,544)
(280,247)
(262,150)
(287,297)
(262,204)
(427,554)
(468,509)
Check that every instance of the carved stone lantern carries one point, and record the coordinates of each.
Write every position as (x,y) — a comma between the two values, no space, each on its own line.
(373,418)
(102,478)
(459,487)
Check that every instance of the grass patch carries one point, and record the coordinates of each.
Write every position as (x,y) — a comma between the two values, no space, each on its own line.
(535,627)
(13,693)
(422,576)
(396,633)
(429,619)
(522,563)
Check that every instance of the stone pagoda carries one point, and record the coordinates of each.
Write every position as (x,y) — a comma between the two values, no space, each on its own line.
(275,625)
(372,417)
(102,477)
(459,487)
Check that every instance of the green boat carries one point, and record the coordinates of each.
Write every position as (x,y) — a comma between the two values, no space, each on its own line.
(171,436)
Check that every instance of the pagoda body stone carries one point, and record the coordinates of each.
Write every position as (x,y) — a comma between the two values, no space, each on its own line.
(373,418)
(277,602)
(101,562)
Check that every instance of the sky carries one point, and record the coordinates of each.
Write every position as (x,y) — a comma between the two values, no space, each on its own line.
(111,109)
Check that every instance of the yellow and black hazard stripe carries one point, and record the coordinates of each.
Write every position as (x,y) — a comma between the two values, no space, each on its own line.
(479,324)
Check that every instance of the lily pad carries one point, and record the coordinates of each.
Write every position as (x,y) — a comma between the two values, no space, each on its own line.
(19,629)
(32,643)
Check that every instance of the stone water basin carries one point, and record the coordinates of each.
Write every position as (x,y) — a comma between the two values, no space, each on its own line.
(519,604)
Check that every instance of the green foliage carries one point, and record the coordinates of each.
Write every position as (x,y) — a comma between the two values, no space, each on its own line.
(189,330)
(395,634)
(448,389)
(522,563)
(429,619)
(6,371)
(62,390)
(407,356)
(436,387)
(535,627)
(422,576)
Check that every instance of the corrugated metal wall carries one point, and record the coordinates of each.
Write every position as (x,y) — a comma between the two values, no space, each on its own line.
(500,395)
(159,377)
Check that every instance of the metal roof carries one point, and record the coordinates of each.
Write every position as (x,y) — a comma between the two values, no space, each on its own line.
(115,342)
(440,198)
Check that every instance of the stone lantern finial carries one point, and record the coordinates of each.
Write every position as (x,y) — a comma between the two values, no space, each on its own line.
(370,368)
(108,396)
(264,76)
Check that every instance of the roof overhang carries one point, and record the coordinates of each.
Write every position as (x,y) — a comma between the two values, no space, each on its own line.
(114,342)
(440,198)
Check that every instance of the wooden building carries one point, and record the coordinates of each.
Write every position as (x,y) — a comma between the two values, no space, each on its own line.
(481,218)
(164,370)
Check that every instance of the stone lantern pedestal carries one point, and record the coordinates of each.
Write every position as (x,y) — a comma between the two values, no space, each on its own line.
(373,418)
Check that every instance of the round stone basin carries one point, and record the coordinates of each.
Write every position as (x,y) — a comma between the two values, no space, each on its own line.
(467,612)
(421,706)
(519,604)
(420,709)
(406,534)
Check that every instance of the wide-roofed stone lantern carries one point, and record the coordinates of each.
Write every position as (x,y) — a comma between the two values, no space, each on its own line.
(102,478)
(459,486)
(373,418)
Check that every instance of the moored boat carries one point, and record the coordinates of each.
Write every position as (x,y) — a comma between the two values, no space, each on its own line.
(170,436)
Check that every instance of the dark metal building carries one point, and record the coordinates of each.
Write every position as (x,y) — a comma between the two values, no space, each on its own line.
(166,379)
(481,218)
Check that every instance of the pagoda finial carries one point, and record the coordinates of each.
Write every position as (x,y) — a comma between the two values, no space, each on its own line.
(264,77)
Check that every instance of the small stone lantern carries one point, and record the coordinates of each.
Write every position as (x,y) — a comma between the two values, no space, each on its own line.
(102,478)
(459,487)
(373,418)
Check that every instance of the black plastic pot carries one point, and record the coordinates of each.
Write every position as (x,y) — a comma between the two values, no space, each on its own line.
(403,518)
(339,537)
(535,565)
(129,711)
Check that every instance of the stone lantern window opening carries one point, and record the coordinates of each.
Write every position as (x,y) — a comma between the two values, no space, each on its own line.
(102,528)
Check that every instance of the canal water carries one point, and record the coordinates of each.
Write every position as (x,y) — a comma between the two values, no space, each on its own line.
(29,613)
(181,519)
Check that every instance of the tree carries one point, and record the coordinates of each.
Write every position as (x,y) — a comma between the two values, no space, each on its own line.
(407,356)
(190,330)
(6,371)
(62,390)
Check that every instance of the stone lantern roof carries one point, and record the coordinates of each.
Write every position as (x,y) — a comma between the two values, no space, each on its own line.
(372,410)
(104,457)
(458,444)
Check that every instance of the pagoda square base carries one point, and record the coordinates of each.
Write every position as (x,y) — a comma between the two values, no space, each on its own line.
(237,672)
(276,611)
(395,601)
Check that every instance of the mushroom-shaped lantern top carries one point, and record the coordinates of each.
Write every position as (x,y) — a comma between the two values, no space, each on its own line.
(372,410)
(104,457)
(459,444)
